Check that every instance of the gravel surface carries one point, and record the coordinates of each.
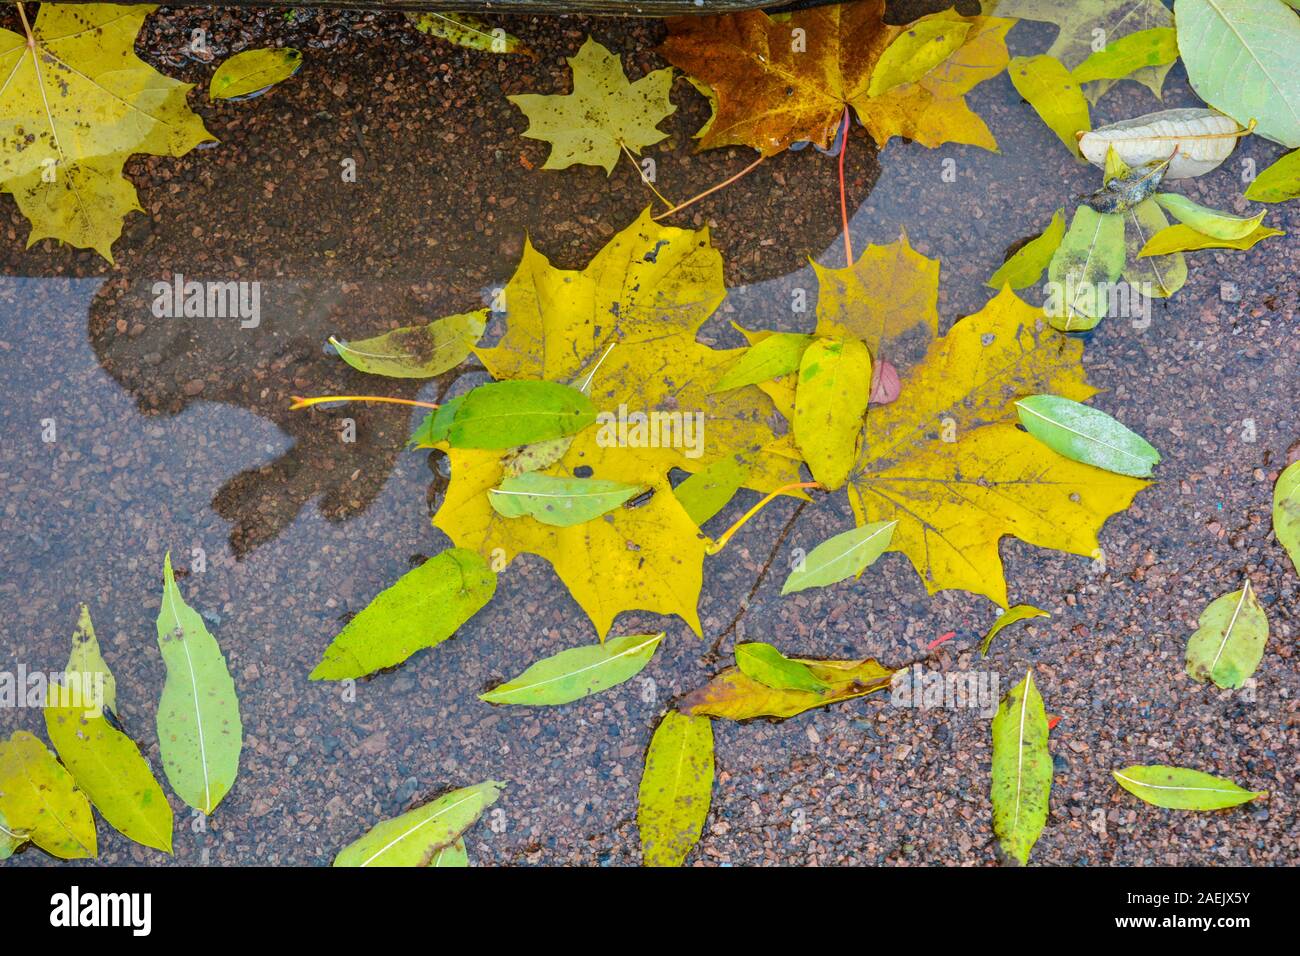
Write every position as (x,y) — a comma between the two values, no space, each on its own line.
(173,434)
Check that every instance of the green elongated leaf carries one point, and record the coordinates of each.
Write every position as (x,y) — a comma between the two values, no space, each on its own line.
(436,426)
(1090,257)
(253,70)
(707,492)
(467,31)
(416,351)
(1228,643)
(1159,276)
(915,52)
(765,664)
(1211,222)
(829,402)
(199,732)
(734,695)
(1178,788)
(578,672)
(1181,238)
(452,855)
(505,414)
(415,837)
(1025,267)
(1243,58)
(1086,434)
(110,770)
(423,609)
(39,798)
(841,557)
(87,661)
(676,787)
(1022,770)
(10,838)
(559,502)
(1128,54)
(1286,512)
(776,355)
(1055,96)
(1012,615)
(1278,182)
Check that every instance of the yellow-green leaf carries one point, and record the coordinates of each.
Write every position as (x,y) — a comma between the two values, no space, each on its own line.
(415,837)
(1145,48)
(1026,266)
(1159,276)
(775,355)
(676,786)
(1178,788)
(416,351)
(1012,615)
(765,664)
(829,402)
(467,31)
(1286,512)
(11,838)
(734,695)
(1228,643)
(1211,222)
(842,556)
(1181,238)
(451,856)
(501,415)
(1088,260)
(253,70)
(1278,182)
(918,49)
(87,665)
(578,672)
(707,492)
(1054,95)
(560,502)
(1022,770)
(39,798)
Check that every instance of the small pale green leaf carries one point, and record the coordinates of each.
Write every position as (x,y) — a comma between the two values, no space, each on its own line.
(1211,222)
(559,502)
(1279,182)
(416,351)
(1286,512)
(1055,96)
(1158,276)
(10,838)
(1178,788)
(1012,615)
(40,799)
(1181,238)
(776,355)
(829,401)
(415,837)
(253,70)
(676,787)
(467,31)
(199,732)
(1026,266)
(1022,770)
(578,672)
(109,769)
(87,663)
(846,554)
(452,855)
(423,609)
(765,664)
(707,492)
(501,415)
(1228,643)
(1089,258)
(916,51)
(1128,54)
(1086,434)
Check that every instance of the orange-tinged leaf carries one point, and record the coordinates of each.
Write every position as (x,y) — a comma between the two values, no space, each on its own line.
(735,696)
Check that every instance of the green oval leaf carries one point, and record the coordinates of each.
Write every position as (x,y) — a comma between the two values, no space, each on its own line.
(559,502)
(1211,222)
(765,664)
(1128,54)
(200,735)
(423,609)
(841,557)
(829,402)
(1228,643)
(1181,238)
(253,70)
(501,415)
(1086,434)
(416,351)
(917,50)
(1178,788)
(39,798)
(1012,615)
(1278,182)
(1025,267)
(578,672)
(467,31)
(676,786)
(1022,770)
(1286,512)
(707,492)
(414,838)
(776,355)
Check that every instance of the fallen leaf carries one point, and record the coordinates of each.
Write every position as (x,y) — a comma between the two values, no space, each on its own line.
(253,70)
(75,106)
(733,695)
(1286,512)
(1195,141)
(38,798)
(1211,222)
(11,838)
(1181,238)
(765,664)
(676,787)
(1054,94)
(578,672)
(561,502)
(603,115)
(1279,182)
(829,402)
(415,837)
(450,856)
(916,51)
(1086,434)
(416,351)
(1229,641)
(1012,615)
(467,31)
(1088,260)
(1157,276)
(200,736)
(774,355)
(705,493)
(1022,770)
(422,609)
(886,386)
(841,557)
(86,663)
(1026,266)
(1145,49)
(1178,788)
(501,415)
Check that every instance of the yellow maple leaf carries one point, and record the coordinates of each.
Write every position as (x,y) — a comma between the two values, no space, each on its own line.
(75,103)
(777,82)
(603,114)
(624,329)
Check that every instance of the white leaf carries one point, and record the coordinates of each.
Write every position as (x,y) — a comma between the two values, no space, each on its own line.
(1204,139)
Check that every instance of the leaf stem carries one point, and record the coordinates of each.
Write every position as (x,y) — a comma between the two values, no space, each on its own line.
(721,542)
(844,203)
(711,190)
(644,178)
(299,403)
(31,37)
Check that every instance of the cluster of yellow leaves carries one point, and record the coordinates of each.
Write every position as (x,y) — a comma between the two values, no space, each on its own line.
(782,81)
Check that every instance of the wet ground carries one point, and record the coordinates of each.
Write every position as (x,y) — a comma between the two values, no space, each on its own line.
(174,434)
